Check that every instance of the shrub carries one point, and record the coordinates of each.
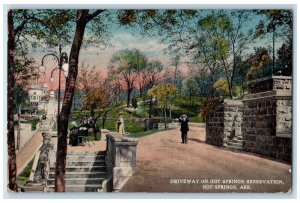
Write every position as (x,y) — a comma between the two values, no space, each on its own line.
(208,106)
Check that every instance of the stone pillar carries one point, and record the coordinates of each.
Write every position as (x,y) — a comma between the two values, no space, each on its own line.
(120,159)
(224,123)
(267,117)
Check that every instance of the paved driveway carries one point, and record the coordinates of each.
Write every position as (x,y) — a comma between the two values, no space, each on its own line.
(164,164)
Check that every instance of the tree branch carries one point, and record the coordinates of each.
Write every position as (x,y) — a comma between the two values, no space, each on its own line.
(93,15)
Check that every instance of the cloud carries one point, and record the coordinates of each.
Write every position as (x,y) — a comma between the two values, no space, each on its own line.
(152,48)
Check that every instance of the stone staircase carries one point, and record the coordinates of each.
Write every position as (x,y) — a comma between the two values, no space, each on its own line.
(235,144)
(85,172)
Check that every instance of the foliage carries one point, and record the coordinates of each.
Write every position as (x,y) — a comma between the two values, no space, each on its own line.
(143,133)
(24,175)
(21,97)
(33,123)
(164,93)
(221,86)
(96,91)
(125,67)
(134,102)
(258,61)
(285,55)
(208,106)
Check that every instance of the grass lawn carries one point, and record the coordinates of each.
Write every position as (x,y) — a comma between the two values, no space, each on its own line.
(24,175)
(144,133)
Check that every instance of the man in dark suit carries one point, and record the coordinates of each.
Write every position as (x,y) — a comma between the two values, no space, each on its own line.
(184,128)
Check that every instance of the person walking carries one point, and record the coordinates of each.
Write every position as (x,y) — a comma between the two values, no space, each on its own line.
(184,128)
(120,125)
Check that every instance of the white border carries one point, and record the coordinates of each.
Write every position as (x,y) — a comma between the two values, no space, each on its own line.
(146,4)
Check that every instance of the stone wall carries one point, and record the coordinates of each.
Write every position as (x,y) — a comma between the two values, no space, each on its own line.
(120,160)
(267,117)
(224,122)
(25,134)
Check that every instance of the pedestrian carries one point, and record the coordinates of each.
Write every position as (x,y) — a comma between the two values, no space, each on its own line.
(120,125)
(184,128)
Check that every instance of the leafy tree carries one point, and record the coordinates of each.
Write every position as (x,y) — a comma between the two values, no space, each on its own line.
(83,18)
(165,93)
(258,61)
(152,76)
(126,66)
(22,24)
(221,86)
(229,38)
(285,58)
(279,18)
(191,85)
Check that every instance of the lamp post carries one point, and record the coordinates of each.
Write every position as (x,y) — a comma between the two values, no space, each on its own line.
(62,61)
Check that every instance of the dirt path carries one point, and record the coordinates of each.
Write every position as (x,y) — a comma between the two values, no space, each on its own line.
(26,154)
(164,164)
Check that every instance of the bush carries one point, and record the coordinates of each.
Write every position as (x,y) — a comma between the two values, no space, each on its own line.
(208,106)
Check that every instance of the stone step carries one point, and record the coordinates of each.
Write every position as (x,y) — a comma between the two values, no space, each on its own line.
(235,144)
(79,181)
(87,153)
(240,138)
(234,148)
(33,187)
(79,188)
(80,158)
(101,174)
(82,168)
(82,163)
(235,141)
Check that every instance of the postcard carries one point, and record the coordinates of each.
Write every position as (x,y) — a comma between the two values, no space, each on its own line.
(150,100)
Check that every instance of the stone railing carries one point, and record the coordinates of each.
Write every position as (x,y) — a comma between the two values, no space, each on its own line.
(120,160)
(42,170)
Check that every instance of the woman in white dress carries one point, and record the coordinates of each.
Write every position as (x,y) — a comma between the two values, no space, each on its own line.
(120,125)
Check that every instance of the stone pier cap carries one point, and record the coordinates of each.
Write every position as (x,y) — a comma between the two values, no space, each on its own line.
(122,140)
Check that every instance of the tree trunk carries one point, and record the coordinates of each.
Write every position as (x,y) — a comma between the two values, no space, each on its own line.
(165,117)
(19,128)
(11,159)
(128,96)
(150,107)
(103,120)
(67,102)
(141,90)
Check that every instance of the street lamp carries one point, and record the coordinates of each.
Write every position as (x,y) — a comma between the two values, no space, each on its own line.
(62,61)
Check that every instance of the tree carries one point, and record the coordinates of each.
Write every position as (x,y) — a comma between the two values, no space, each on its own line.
(134,103)
(126,66)
(285,58)
(83,17)
(221,86)
(258,61)
(278,18)
(230,37)
(152,76)
(164,93)
(191,84)
(22,24)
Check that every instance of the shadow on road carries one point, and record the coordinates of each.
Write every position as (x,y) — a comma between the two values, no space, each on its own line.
(196,140)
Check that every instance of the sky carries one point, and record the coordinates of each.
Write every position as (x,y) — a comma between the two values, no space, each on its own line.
(126,38)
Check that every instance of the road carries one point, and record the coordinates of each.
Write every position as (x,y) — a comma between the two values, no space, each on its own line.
(164,164)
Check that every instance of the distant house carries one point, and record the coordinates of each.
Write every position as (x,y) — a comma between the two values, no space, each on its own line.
(39,95)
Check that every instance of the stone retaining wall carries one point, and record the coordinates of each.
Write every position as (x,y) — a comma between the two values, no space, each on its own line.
(267,117)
